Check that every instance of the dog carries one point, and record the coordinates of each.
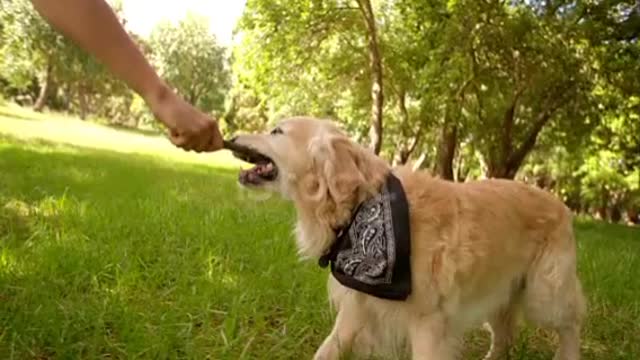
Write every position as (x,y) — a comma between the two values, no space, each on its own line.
(481,251)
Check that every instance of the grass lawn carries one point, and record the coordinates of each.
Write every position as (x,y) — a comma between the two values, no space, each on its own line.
(116,245)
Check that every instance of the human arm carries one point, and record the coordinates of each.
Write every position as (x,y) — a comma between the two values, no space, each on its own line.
(93,26)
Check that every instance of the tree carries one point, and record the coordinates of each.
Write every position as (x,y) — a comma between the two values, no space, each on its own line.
(375,61)
(528,73)
(423,80)
(319,58)
(190,59)
(29,48)
(33,50)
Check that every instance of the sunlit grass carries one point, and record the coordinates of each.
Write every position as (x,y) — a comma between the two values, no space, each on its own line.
(115,245)
(28,125)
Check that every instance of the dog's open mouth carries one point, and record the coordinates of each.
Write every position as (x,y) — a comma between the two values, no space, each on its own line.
(264,169)
(262,172)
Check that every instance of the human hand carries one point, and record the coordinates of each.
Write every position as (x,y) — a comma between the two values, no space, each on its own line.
(189,128)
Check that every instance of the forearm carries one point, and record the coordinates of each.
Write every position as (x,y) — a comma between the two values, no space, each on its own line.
(93,25)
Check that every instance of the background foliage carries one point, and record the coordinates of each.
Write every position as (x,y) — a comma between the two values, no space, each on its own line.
(544,91)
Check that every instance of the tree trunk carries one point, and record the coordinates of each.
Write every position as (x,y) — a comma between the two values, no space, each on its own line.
(604,206)
(633,214)
(83,106)
(375,59)
(506,163)
(230,114)
(462,171)
(446,152)
(45,89)
(83,102)
(500,170)
(506,160)
(409,147)
(418,164)
(134,121)
(602,213)
(615,214)
(404,155)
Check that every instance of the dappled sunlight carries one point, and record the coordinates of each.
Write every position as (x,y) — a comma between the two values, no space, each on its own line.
(56,206)
(218,272)
(18,207)
(10,264)
(24,228)
(81,176)
(36,218)
(11,111)
(132,250)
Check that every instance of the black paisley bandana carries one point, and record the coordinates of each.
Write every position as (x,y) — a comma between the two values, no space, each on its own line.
(372,254)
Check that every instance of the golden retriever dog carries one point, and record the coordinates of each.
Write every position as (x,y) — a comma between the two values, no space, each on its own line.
(481,251)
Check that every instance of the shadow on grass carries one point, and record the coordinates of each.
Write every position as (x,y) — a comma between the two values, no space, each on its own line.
(36,166)
(15,115)
(132,130)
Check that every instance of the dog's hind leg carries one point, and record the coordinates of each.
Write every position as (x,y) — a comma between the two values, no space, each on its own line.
(553,296)
(562,313)
(502,326)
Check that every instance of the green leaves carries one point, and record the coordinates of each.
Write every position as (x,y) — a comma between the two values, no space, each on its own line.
(304,57)
(33,52)
(484,88)
(27,43)
(189,58)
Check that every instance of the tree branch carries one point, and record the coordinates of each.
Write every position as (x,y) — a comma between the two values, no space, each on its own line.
(474,70)
(375,59)
(507,124)
(416,140)
(552,7)
(346,8)
(515,160)
(460,93)
(403,110)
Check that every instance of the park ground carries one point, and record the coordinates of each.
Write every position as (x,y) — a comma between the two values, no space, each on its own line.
(114,244)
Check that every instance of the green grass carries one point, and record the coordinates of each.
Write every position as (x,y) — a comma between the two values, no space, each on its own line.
(116,245)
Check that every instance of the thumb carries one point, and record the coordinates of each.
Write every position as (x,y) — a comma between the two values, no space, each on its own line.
(177,139)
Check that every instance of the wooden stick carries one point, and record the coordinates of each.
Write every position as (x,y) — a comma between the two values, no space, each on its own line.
(245,151)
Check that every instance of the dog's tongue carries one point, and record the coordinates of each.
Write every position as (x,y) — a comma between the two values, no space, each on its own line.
(247,176)
(253,175)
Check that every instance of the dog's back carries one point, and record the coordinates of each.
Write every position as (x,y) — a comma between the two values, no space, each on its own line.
(489,247)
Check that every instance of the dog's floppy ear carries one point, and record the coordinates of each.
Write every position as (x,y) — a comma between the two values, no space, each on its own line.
(337,162)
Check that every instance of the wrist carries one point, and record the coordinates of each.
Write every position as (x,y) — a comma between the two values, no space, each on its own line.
(157,97)
(157,93)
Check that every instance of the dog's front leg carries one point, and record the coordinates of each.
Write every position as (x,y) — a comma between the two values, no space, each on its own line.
(348,323)
(432,338)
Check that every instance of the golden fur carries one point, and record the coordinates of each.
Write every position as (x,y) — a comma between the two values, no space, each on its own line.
(480,250)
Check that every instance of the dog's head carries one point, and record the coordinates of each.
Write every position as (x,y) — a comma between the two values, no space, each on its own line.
(315,164)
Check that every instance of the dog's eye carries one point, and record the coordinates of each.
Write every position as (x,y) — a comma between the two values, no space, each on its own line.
(276,131)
